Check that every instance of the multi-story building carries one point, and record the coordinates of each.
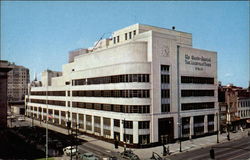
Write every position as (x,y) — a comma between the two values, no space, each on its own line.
(243,102)
(234,104)
(18,79)
(144,85)
(4,69)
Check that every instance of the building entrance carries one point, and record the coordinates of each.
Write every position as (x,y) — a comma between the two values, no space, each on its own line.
(166,130)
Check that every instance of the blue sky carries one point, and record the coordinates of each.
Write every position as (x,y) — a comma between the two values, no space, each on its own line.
(39,34)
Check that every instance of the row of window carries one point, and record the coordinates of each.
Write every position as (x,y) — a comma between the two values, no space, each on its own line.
(49,93)
(113,93)
(197,93)
(106,121)
(197,80)
(127,36)
(113,108)
(50,102)
(98,106)
(113,79)
(195,106)
(245,103)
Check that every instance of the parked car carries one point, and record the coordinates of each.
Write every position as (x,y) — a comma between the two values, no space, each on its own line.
(88,156)
(67,150)
(110,158)
(21,119)
(128,154)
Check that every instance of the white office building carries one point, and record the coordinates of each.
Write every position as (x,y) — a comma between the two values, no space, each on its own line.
(144,85)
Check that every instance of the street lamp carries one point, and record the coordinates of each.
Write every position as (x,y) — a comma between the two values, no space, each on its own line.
(179,125)
(217,116)
(228,124)
(124,139)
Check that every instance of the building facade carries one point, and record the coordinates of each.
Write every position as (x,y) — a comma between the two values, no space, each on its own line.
(4,69)
(18,79)
(144,85)
(234,104)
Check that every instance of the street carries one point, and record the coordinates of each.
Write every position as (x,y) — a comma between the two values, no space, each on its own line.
(233,150)
(84,147)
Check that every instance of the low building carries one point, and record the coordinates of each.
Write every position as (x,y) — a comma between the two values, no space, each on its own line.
(234,106)
(17,108)
(145,85)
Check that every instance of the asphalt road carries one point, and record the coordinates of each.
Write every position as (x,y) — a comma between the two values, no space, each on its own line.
(232,150)
(84,147)
(98,151)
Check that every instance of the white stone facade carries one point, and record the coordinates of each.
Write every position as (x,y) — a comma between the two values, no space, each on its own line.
(136,77)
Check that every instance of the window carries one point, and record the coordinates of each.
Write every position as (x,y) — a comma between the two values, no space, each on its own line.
(197,80)
(126,36)
(134,32)
(165,68)
(144,139)
(114,40)
(165,93)
(128,138)
(67,83)
(165,107)
(195,106)
(130,35)
(164,78)
(118,39)
(128,124)
(113,79)
(117,122)
(196,93)
(185,121)
(106,121)
(144,124)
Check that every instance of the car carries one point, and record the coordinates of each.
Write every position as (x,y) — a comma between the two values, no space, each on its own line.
(110,158)
(88,156)
(68,150)
(21,119)
(128,154)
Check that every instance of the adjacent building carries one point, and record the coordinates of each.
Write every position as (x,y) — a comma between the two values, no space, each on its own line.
(4,69)
(234,104)
(144,85)
(18,79)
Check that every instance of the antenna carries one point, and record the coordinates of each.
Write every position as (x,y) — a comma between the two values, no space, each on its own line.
(98,41)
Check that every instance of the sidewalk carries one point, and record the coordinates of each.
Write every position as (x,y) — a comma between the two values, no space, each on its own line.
(190,144)
(147,152)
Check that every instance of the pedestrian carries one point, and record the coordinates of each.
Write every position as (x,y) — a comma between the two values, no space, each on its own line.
(241,129)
